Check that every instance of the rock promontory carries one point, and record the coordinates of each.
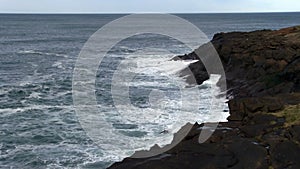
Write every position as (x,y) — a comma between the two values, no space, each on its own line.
(263,130)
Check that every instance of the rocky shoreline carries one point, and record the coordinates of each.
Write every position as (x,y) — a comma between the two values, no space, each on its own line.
(263,130)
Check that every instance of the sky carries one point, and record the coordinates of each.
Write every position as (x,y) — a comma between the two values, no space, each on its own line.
(147,6)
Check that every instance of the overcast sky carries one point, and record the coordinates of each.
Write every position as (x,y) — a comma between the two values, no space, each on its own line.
(147,6)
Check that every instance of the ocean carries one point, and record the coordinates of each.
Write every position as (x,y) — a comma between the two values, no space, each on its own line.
(39,127)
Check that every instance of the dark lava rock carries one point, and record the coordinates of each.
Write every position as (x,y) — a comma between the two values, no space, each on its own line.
(285,155)
(295,132)
(263,77)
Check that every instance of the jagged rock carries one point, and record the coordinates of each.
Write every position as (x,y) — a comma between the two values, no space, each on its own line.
(285,155)
(237,110)
(295,132)
(263,76)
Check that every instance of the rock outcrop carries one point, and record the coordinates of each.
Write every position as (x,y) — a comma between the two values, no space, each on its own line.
(263,130)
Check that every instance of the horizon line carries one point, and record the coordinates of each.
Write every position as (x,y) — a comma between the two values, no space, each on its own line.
(91,13)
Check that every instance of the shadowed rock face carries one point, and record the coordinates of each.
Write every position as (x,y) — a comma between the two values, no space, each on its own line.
(263,131)
(259,63)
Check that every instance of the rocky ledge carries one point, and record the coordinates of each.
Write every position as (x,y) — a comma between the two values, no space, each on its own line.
(263,130)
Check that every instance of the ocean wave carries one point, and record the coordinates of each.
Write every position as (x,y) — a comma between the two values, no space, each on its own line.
(42,53)
(9,111)
(156,111)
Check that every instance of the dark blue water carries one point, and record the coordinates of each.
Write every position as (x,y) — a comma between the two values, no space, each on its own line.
(38,124)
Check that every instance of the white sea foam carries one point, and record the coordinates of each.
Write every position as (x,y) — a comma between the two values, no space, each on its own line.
(2,91)
(42,53)
(58,64)
(10,111)
(154,65)
(164,114)
(34,95)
